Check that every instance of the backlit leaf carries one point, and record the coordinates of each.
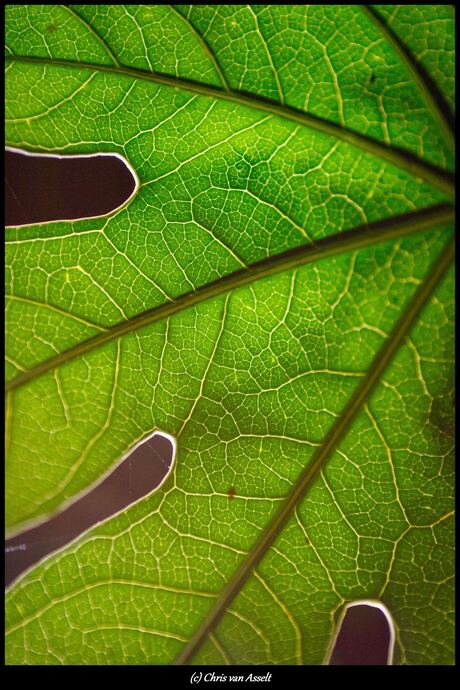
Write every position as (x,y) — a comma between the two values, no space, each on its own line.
(277,296)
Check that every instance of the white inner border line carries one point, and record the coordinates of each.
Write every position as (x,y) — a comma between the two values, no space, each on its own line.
(39,154)
(374,603)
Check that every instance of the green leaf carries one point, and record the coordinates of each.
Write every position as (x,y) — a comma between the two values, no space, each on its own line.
(277,295)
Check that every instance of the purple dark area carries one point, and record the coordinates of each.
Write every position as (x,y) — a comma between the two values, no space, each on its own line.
(363,638)
(39,189)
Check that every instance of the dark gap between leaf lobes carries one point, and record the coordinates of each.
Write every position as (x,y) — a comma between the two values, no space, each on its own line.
(142,471)
(363,639)
(41,188)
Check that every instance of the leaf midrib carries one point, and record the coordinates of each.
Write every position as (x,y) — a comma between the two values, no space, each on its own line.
(429,284)
(319,459)
(440,178)
(351,240)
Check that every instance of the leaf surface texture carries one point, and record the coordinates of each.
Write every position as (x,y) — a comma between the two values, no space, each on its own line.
(256,133)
